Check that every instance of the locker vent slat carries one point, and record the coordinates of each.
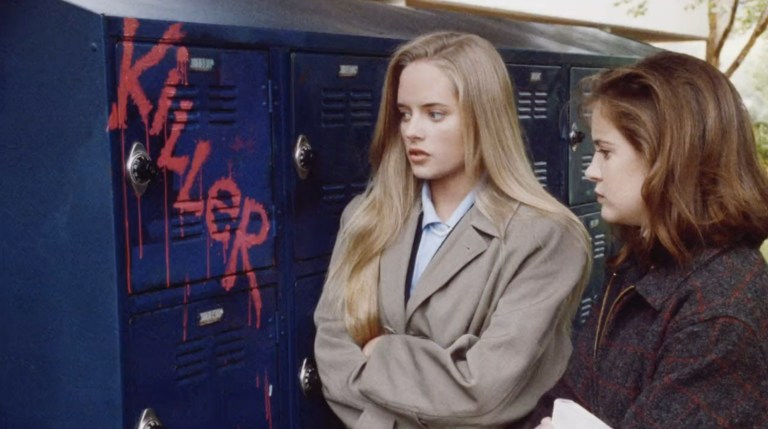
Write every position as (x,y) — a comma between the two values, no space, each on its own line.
(222,105)
(191,361)
(341,108)
(230,350)
(336,196)
(540,170)
(532,105)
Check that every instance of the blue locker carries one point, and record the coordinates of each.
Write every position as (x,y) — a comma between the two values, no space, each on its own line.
(580,190)
(540,96)
(173,179)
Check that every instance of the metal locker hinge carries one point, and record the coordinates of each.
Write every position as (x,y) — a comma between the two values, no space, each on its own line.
(149,420)
(303,156)
(140,169)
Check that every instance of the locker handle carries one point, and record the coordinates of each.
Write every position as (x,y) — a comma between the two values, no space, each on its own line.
(149,420)
(303,156)
(576,136)
(140,169)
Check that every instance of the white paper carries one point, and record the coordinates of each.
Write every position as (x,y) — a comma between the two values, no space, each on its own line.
(570,415)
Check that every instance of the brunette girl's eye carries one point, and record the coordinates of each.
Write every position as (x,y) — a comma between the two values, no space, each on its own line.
(405,116)
(604,153)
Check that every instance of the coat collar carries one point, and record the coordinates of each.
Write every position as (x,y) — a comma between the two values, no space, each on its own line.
(467,241)
(659,284)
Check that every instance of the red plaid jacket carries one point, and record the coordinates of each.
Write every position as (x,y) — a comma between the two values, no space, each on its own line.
(676,348)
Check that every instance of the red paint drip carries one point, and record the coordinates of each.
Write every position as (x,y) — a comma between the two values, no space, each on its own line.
(182,63)
(167,227)
(255,298)
(208,256)
(186,295)
(164,103)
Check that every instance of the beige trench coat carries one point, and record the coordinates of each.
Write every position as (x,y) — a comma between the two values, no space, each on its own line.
(475,346)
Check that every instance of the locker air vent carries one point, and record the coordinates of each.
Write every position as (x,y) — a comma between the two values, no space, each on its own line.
(585,161)
(185,101)
(336,196)
(230,349)
(540,170)
(222,106)
(532,105)
(341,108)
(191,361)
(196,357)
(598,246)
(187,225)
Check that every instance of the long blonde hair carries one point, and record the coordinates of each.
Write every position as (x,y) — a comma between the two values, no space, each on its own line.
(494,153)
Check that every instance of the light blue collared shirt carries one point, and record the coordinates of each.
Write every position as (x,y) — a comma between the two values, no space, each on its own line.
(434,231)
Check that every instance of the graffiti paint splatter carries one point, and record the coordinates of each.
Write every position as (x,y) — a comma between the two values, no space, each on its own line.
(227,213)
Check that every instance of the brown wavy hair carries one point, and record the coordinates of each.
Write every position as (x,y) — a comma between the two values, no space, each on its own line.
(705,186)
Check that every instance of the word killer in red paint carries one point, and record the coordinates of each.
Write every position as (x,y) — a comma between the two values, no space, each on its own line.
(235,240)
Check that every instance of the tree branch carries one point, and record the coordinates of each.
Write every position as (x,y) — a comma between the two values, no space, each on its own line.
(762,23)
(719,42)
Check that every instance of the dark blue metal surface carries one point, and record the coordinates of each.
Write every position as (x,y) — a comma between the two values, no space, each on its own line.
(215,136)
(104,292)
(541,96)
(59,318)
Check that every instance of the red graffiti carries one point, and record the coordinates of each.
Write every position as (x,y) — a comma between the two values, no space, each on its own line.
(224,197)
(243,239)
(202,151)
(130,72)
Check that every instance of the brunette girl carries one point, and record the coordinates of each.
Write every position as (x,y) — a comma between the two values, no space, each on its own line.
(681,337)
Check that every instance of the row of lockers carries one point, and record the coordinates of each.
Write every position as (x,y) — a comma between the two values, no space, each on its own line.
(181,229)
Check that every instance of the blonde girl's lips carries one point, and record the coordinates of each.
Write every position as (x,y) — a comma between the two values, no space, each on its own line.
(417,155)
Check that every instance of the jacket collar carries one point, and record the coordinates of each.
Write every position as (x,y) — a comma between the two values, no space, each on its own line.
(659,284)
(466,242)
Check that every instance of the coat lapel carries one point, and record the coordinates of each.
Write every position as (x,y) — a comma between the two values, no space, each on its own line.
(393,270)
(463,245)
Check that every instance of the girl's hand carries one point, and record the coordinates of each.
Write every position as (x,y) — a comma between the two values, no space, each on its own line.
(546,423)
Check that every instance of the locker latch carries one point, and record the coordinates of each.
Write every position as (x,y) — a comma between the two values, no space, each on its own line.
(303,156)
(140,169)
(149,420)
(576,136)
(309,380)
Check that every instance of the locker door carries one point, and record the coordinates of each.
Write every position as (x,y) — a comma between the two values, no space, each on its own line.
(197,239)
(580,190)
(203,118)
(335,105)
(336,100)
(540,94)
(204,364)
(600,237)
